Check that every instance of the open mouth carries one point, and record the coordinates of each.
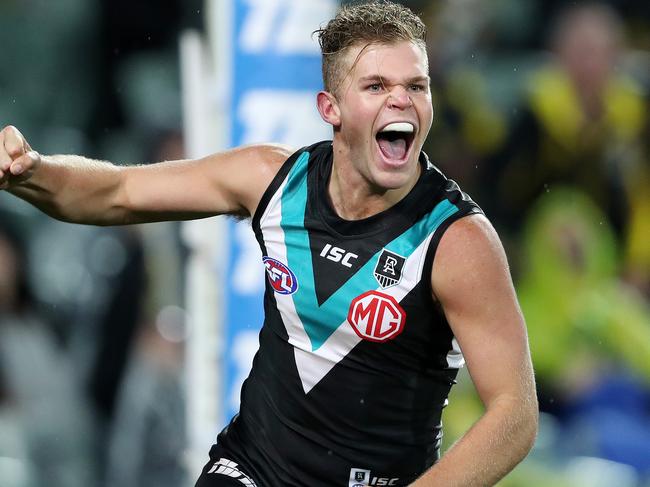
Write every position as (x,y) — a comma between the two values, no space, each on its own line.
(395,140)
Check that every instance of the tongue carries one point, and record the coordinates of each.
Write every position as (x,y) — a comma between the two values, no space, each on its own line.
(393,149)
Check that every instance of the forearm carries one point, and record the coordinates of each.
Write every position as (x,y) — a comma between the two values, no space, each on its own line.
(80,190)
(75,189)
(496,443)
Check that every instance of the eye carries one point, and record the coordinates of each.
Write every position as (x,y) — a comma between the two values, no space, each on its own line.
(417,87)
(375,87)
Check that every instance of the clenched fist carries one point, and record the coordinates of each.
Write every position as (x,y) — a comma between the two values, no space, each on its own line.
(17,159)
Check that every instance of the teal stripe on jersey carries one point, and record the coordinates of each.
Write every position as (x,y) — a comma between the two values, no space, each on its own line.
(320,322)
(296,239)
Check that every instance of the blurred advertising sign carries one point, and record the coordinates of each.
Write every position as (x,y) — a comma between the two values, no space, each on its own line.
(273,75)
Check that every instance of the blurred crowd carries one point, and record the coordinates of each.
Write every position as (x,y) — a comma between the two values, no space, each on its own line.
(91,319)
(544,118)
(542,113)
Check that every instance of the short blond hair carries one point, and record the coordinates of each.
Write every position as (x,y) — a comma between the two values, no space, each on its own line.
(378,21)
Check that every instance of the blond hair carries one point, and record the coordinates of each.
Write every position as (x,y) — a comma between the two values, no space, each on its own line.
(378,21)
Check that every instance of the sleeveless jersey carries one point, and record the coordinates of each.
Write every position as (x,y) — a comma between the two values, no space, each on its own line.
(356,359)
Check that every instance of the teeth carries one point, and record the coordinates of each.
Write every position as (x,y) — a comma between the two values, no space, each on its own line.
(399,127)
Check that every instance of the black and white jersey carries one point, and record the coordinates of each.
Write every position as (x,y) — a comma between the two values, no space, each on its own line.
(356,359)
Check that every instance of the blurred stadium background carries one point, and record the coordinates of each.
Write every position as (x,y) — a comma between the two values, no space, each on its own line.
(121,349)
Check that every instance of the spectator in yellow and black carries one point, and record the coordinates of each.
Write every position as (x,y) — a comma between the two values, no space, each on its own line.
(589,331)
(581,124)
(637,251)
(468,126)
(469,129)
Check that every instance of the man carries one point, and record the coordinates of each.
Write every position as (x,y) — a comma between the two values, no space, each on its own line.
(380,271)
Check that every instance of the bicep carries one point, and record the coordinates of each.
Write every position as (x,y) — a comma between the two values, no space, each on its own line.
(472,282)
(229,182)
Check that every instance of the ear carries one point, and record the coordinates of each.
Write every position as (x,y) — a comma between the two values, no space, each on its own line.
(328,108)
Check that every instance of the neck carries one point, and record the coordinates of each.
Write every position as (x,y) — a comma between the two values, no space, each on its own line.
(352,196)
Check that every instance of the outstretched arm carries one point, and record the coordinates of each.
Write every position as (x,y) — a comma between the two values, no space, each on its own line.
(81,190)
(471,280)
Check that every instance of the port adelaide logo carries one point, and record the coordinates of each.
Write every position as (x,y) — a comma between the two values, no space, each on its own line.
(388,270)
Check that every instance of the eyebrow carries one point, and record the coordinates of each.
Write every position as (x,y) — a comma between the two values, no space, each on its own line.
(383,79)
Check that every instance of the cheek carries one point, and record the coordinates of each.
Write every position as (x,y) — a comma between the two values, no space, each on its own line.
(364,112)
(429,120)
(425,112)
(359,119)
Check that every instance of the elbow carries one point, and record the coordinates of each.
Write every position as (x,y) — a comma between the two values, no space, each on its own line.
(520,417)
(531,431)
(119,202)
(528,428)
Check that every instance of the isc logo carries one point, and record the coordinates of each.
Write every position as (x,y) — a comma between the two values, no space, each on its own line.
(280,276)
(376,317)
(338,254)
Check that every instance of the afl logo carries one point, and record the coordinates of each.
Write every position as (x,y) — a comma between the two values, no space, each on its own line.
(280,276)
(376,316)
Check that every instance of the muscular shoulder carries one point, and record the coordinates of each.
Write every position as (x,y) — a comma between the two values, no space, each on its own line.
(245,172)
(270,158)
(469,257)
(270,153)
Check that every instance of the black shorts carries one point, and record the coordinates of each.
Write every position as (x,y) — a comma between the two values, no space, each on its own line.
(222,471)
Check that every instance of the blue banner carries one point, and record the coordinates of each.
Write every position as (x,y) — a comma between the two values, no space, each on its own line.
(276,73)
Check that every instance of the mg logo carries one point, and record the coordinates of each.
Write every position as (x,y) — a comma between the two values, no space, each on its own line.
(376,317)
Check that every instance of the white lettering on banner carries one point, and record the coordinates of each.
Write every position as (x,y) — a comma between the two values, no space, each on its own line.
(296,36)
(283,26)
(287,117)
(257,30)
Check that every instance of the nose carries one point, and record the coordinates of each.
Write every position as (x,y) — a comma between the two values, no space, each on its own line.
(399,98)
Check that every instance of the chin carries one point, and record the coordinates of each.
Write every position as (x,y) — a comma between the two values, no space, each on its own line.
(393,178)
(394,174)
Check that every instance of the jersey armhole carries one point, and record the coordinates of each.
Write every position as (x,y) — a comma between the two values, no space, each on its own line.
(467,207)
(276,182)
